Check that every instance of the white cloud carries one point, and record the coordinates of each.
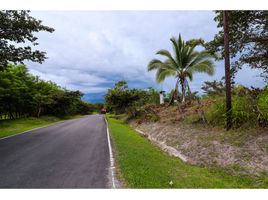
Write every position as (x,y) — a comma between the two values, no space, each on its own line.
(75,80)
(89,50)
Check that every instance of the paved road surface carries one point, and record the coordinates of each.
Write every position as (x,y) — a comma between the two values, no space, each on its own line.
(70,154)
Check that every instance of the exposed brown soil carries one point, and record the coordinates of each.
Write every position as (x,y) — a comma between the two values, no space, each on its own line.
(241,151)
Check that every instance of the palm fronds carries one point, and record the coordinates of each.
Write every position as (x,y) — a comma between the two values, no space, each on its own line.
(183,63)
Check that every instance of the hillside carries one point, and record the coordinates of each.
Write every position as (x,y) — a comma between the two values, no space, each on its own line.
(240,151)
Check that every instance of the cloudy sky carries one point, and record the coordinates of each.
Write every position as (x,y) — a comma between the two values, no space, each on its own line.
(91,50)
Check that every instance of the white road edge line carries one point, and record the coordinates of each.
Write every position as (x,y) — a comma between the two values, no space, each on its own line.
(16,134)
(111,155)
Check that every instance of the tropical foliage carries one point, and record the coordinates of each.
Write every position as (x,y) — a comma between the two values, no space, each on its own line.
(24,95)
(17,37)
(249,107)
(248,36)
(182,64)
(213,88)
(121,99)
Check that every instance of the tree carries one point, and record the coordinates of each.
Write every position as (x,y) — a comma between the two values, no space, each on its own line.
(65,102)
(42,92)
(227,72)
(85,108)
(121,99)
(213,88)
(16,29)
(24,95)
(183,64)
(248,36)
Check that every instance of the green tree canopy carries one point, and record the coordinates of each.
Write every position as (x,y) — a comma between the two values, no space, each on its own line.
(17,30)
(248,35)
(23,95)
(214,88)
(120,98)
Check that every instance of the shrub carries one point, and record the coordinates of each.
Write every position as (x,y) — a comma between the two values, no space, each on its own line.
(242,112)
(263,103)
(142,112)
(216,113)
(121,99)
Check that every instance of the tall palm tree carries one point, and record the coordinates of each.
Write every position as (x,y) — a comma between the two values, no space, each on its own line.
(182,65)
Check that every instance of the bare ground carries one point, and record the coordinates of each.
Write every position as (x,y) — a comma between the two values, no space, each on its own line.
(240,151)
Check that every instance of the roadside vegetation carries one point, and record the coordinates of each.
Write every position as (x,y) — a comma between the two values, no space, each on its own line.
(26,101)
(222,130)
(24,95)
(121,99)
(142,165)
(249,105)
(191,123)
(197,128)
(12,127)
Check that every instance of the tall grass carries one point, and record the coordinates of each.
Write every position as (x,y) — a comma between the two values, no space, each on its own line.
(242,112)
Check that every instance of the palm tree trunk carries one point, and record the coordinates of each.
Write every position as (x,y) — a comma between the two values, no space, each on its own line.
(227,72)
(183,89)
(188,89)
(175,96)
(175,93)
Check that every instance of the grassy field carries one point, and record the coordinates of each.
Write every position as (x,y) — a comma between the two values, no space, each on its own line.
(11,127)
(143,165)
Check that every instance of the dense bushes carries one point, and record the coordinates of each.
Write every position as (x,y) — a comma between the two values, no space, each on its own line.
(24,95)
(263,103)
(121,99)
(84,108)
(249,107)
(242,111)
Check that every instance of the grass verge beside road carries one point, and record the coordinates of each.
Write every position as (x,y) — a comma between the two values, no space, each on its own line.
(143,165)
(12,127)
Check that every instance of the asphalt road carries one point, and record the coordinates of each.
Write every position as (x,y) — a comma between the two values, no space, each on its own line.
(70,154)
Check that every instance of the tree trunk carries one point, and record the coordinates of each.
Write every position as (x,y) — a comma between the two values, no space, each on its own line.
(175,93)
(10,112)
(188,90)
(11,115)
(183,90)
(227,72)
(39,112)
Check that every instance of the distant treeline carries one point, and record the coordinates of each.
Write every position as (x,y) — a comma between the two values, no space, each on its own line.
(25,95)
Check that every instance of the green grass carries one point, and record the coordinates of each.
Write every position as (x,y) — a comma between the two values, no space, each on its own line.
(143,165)
(11,127)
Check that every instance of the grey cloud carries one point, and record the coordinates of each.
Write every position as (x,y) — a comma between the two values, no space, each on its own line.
(91,49)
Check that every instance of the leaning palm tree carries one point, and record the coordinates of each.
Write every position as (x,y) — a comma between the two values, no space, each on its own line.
(182,65)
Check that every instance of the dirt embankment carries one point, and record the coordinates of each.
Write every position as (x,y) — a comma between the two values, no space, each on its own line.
(239,152)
